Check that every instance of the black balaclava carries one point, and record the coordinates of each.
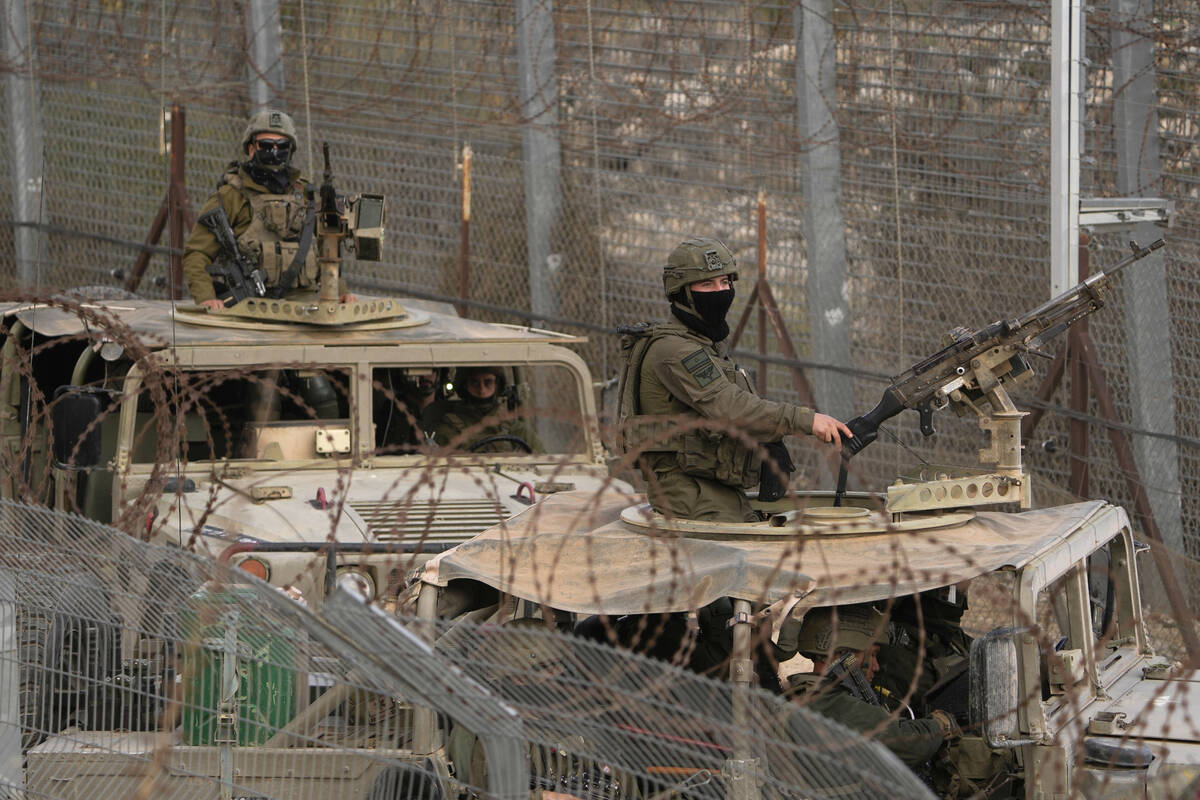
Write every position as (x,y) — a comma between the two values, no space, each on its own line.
(270,168)
(712,307)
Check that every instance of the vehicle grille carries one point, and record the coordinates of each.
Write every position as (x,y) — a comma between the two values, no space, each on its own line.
(448,521)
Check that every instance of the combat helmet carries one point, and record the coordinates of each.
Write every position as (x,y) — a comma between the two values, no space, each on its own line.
(857,627)
(696,259)
(269,121)
(464,374)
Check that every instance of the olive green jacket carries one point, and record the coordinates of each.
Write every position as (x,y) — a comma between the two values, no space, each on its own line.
(700,473)
(914,741)
(687,375)
(447,419)
(202,247)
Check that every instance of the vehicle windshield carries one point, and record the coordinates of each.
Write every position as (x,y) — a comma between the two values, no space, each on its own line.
(285,414)
(477,408)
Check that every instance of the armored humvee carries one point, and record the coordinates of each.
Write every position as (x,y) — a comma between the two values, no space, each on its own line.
(265,442)
(1064,691)
(1063,695)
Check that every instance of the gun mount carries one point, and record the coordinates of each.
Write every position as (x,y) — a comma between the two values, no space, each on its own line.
(354,222)
(972,374)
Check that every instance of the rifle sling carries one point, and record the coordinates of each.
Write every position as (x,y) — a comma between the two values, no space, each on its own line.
(288,278)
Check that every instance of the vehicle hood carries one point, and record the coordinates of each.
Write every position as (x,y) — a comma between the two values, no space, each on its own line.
(572,552)
(426,510)
(1165,709)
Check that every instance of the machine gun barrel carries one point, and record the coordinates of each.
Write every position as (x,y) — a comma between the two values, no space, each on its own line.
(932,378)
(328,192)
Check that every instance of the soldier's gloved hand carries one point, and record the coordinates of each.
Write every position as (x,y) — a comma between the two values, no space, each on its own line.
(947,724)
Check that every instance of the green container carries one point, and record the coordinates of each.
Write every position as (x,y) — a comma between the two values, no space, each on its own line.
(266,673)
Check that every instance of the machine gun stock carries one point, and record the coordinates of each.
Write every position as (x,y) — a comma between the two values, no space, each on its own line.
(974,364)
(241,277)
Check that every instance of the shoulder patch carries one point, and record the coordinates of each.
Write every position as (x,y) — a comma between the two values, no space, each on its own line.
(701,368)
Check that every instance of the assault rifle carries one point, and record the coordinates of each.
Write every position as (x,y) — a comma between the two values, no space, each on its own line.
(974,364)
(847,672)
(241,277)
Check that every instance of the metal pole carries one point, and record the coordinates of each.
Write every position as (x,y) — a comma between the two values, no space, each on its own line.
(10,681)
(24,142)
(762,277)
(464,243)
(824,226)
(176,194)
(1148,340)
(1079,431)
(1066,21)
(264,54)
(741,771)
(537,86)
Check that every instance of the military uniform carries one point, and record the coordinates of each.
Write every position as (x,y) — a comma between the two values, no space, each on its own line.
(267,226)
(914,741)
(941,677)
(270,226)
(700,472)
(686,410)
(446,419)
(848,634)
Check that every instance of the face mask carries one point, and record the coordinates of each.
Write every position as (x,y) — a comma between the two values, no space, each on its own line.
(712,308)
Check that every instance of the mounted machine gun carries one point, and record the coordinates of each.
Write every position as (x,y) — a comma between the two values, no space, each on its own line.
(973,367)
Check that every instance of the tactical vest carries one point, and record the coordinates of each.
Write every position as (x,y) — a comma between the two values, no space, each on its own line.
(708,454)
(273,237)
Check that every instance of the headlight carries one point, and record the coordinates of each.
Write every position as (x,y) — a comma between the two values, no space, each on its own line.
(352,578)
(256,567)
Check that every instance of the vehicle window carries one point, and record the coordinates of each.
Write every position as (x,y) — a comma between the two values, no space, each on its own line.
(485,408)
(275,414)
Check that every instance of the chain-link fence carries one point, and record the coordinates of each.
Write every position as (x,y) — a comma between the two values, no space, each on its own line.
(903,161)
(128,669)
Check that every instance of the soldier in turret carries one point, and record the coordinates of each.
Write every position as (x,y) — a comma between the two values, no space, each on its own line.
(271,210)
(678,376)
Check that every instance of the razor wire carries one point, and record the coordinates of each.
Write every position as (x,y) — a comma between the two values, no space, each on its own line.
(145,670)
(670,123)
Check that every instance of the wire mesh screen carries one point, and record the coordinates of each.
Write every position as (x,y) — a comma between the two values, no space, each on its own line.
(134,669)
(669,119)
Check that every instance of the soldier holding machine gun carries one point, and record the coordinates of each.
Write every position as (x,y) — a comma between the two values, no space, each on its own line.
(255,237)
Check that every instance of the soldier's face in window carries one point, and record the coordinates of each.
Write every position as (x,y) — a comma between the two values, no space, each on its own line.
(713,284)
(481,385)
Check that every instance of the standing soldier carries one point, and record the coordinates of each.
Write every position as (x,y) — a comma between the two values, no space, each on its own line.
(271,209)
(678,376)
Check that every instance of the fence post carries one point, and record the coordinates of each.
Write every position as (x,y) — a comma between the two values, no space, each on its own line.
(537,87)
(24,142)
(1151,371)
(824,227)
(264,54)
(10,682)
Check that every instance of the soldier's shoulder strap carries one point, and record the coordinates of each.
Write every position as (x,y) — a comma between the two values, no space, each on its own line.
(635,341)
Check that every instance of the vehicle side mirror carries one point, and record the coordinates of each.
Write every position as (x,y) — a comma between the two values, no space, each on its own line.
(995,687)
(75,422)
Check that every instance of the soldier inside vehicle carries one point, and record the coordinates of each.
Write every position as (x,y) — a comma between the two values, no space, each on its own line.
(481,414)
